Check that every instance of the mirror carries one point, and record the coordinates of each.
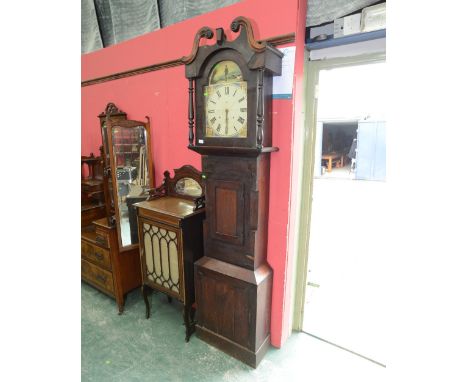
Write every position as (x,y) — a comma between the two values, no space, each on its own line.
(189,187)
(131,175)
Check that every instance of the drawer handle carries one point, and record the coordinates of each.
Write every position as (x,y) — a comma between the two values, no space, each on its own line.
(100,240)
(101,278)
(99,256)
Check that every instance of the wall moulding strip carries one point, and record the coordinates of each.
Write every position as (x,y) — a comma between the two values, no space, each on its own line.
(275,41)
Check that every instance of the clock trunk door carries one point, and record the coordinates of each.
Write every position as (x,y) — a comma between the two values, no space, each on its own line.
(231,213)
(227,223)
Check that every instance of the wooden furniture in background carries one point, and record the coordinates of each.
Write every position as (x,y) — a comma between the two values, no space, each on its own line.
(171,239)
(106,264)
(92,196)
(333,158)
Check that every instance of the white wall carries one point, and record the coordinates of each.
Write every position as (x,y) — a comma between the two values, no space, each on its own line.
(353,92)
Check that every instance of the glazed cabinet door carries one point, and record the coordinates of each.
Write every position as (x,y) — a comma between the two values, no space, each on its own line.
(161,258)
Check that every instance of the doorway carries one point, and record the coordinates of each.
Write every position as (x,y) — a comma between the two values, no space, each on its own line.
(343,301)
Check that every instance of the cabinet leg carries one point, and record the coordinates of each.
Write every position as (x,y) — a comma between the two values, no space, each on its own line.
(189,325)
(145,290)
(120,304)
(192,315)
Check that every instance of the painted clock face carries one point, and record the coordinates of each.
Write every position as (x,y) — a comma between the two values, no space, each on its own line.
(226,102)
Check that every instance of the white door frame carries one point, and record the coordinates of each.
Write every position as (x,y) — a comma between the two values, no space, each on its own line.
(312,69)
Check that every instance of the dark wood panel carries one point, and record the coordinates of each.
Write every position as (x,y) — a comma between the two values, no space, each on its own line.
(232,301)
(193,250)
(226,211)
(252,176)
(206,317)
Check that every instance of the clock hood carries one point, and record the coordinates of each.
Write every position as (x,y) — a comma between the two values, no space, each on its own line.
(256,54)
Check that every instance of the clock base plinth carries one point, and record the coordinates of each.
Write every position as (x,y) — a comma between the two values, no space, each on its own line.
(235,350)
(234,308)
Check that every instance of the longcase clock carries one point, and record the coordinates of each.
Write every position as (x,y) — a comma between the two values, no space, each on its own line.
(230,87)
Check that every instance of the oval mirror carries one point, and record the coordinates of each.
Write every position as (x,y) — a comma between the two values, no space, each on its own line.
(189,187)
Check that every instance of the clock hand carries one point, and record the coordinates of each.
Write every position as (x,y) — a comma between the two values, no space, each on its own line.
(227,111)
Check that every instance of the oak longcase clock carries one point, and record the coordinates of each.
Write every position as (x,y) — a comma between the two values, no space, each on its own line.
(230,87)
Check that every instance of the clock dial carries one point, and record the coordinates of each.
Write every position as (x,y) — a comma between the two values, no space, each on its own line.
(226,110)
(226,102)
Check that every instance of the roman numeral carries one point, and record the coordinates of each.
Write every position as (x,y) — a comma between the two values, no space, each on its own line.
(213,120)
(241,120)
(218,93)
(243,109)
(243,98)
(211,111)
(234,93)
(226,90)
(213,101)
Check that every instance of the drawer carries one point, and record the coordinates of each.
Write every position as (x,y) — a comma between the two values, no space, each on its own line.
(158,217)
(97,276)
(95,254)
(102,237)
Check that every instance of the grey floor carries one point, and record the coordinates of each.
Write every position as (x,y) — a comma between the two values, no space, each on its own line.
(131,348)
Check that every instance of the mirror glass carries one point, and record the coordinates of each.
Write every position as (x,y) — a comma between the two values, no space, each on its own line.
(188,186)
(132,175)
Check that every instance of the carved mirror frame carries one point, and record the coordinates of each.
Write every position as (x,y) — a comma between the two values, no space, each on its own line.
(110,113)
(128,124)
(169,185)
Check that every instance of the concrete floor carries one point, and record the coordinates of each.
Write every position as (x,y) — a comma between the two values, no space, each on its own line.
(131,348)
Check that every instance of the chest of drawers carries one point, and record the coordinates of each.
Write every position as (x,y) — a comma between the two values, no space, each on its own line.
(104,267)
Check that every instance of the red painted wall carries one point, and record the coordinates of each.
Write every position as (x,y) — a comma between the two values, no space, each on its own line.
(162,95)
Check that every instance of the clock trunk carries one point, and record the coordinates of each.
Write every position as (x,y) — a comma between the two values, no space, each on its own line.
(236,225)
